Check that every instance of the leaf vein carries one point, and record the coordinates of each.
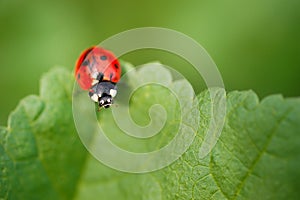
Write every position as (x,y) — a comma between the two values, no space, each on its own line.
(264,150)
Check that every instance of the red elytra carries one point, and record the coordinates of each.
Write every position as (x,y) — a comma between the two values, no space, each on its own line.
(96,60)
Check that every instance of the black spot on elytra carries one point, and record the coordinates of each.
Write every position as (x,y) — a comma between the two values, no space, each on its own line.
(100,76)
(78,76)
(111,75)
(103,57)
(85,63)
(116,66)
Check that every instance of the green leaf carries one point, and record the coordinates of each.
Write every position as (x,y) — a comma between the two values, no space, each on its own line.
(41,155)
(256,157)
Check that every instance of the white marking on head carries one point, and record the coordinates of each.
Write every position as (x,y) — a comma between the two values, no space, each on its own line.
(113,92)
(94,97)
(101,102)
(108,100)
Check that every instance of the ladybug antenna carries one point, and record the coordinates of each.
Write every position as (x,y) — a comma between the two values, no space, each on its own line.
(115,104)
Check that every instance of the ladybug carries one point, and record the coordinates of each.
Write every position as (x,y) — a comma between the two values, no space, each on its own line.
(98,71)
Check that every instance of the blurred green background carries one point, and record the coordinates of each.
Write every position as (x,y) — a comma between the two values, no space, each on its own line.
(255,44)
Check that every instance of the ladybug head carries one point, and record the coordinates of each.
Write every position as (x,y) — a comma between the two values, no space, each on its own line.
(103,93)
(105,101)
